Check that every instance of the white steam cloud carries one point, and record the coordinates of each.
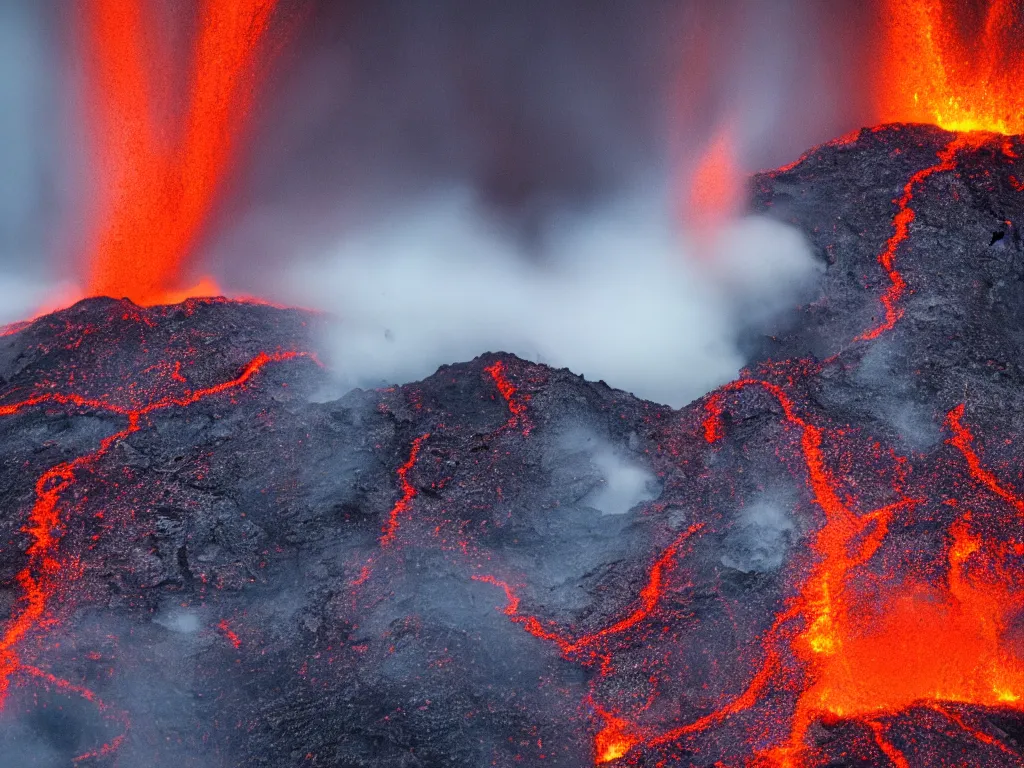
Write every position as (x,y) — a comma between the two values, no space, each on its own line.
(624,484)
(616,294)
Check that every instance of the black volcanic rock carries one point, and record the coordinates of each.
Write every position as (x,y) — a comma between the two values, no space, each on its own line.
(242,573)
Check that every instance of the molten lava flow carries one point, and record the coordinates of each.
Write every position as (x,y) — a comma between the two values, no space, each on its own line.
(650,596)
(976,733)
(162,167)
(516,403)
(928,644)
(963,441)
(45,571)
(619,735)
(942,66)
(65,687)
(923,644)
(230,634)
(918,645)
(716,188)
(615,739)
(390,529)
(905,216)
(897,758)
(840,141)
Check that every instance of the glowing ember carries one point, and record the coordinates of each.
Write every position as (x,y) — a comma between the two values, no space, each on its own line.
(945,66)
(850,640)
(846,653)
(963,441)
(229,633)
(650,596)
(614,740)
(160,176)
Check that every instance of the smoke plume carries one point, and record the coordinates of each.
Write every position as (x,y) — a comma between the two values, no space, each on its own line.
(615,294)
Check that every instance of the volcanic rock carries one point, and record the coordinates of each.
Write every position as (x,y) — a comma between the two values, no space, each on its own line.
(210,562)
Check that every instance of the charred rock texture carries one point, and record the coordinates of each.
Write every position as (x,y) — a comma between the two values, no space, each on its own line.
(209,562)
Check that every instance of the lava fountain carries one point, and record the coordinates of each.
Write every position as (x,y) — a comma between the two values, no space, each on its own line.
(161,163)
(959,69)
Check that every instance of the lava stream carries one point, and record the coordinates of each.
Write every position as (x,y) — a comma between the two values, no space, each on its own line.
(963,441)
(650,596)
(390,529)
(516,403)
(44,572)
(925,646)
(618,735)
(66,687)
(897,757)
(904,217)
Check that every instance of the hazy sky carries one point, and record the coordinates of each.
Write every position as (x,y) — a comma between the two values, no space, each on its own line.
(560,127)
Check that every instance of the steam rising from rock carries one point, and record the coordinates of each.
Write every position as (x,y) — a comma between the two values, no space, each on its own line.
(615,294)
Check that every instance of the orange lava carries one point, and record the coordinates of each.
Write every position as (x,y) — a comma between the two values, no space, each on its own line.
(64,686)
(516,403)
(45,571)
(614,740)
(923,644)
(230,634)
(390,529)
(840,141)
(905,216)
(976,733)
(897,758)
(161,164)
(948,64)
(963,441)
(930,643)
(649,597)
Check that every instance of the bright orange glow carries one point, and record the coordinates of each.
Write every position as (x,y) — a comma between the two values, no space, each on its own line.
(923,644)
(650,596)
(614,740)
(944,67)
(930,644)
(161,164)
(716,187)
(904,217)
(516,403)
(206,286)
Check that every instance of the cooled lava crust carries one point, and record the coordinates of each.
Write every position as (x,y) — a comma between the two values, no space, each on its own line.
(208,561)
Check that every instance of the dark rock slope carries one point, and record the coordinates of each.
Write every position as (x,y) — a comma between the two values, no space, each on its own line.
(207,562)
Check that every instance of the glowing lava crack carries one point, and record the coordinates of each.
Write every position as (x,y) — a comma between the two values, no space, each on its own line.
(901,231)
(46,572)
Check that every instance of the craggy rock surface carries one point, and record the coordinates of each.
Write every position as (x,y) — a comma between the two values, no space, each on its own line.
(207,561)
